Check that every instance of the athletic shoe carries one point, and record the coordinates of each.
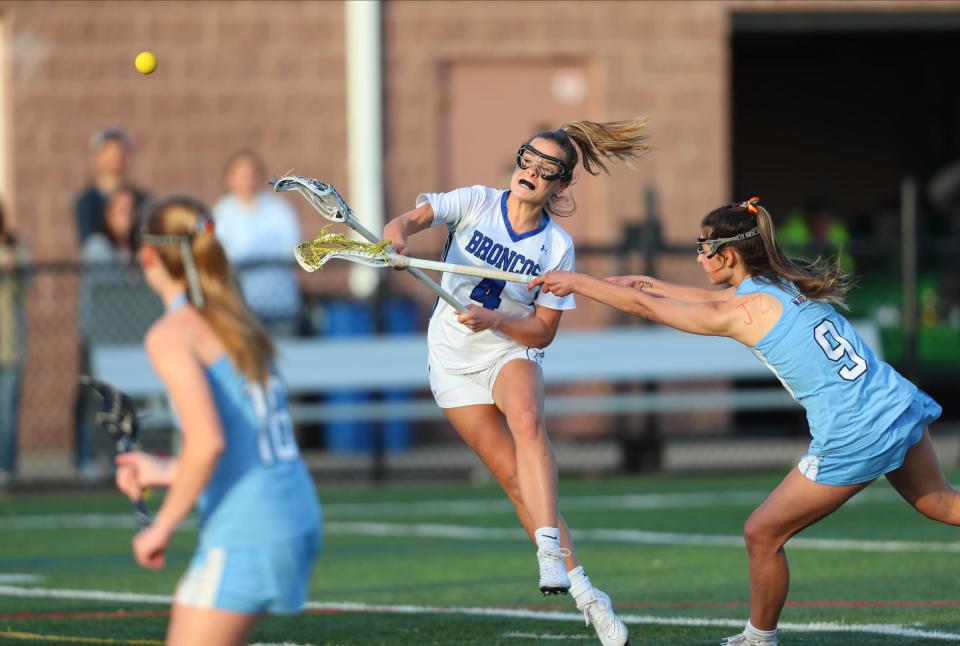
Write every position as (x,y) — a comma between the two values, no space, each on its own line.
(598,611)
(553,574)
(744,640)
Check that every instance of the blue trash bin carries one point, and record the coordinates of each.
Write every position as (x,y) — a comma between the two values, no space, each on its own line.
(401,316)
(346,318)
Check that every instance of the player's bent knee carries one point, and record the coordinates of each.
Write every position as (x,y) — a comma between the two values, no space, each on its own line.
(759,538)
(942,506)
(527,427)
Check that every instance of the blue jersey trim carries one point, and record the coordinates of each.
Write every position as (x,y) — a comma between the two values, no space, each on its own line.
(517,237)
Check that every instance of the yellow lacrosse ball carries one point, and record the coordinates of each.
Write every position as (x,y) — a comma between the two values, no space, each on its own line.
(145,62)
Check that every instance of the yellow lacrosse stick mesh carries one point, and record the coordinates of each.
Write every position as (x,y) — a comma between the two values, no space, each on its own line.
(314,253)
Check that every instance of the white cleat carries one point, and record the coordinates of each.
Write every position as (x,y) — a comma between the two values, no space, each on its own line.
(599,612)
(553,574)
(743,640)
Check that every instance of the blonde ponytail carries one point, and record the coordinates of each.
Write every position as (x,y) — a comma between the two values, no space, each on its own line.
(598,143)
(614,140)
(179,219)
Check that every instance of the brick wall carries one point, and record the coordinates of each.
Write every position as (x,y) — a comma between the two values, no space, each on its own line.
(271,76)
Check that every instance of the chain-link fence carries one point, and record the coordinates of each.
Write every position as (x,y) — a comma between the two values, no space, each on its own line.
(56,318)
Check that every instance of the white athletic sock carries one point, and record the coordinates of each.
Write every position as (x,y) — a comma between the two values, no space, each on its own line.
(580,585)
(548,537)
(755,633)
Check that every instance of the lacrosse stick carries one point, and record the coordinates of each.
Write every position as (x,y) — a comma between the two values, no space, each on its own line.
(325,199)
(118,418)
(331,246)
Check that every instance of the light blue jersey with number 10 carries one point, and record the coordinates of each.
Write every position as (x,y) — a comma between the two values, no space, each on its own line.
(261,490)
(851,397)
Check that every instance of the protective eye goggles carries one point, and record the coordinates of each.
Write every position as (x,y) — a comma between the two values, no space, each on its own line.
(545,166)
(710,247)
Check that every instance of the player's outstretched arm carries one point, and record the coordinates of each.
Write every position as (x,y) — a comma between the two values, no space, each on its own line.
(664,289)
(713,318)
(203,439)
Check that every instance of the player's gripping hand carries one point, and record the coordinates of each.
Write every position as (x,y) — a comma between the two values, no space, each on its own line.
(479,318)
(150,547)
(136,471)
(400,248)
(558,283)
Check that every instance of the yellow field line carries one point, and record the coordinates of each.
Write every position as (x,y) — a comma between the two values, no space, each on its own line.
(78,640)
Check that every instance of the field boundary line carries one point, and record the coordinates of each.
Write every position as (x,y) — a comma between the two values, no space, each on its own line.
(36,637)
(897,630)
(468,532)
(631,536)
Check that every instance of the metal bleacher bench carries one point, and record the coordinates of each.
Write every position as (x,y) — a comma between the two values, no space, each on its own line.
(319,366)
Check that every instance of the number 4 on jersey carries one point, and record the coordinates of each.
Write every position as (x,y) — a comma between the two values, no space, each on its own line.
(487,293)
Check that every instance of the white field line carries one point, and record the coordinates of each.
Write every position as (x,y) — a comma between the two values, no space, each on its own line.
(543,636)
(13,577)
(512,613)
(629,536)
(77,521)
(613,502)
(446,508)
(466,532)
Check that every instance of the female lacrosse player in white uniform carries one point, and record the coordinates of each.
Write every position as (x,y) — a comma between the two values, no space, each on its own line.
(485,363)
(866,420)
(260,519)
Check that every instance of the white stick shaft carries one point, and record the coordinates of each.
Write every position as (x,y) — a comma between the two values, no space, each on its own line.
(467,270)
(419,275)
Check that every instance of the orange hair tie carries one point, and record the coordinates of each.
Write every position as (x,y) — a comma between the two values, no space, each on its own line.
(751,205)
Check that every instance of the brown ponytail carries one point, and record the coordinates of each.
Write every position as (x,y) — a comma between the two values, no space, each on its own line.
(821,280)
(223,307)
(598,143)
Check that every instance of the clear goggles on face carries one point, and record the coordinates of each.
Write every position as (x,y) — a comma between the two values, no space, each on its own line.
(710,247)
(545,166)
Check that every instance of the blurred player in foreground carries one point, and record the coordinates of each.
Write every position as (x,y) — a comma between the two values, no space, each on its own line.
(866,419)
(260,519)
(485,363)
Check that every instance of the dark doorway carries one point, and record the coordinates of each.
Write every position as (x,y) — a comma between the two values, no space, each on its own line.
(843,104)
(833,111)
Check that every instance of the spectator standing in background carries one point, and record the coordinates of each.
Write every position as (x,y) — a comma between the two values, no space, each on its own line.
(115,242)
(108,291)
(110,150)
(13,262)
(258,231)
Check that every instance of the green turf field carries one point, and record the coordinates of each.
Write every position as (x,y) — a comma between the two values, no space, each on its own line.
(445,564)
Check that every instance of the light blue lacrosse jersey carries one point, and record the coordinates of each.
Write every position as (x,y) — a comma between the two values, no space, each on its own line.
(261,490)
(851,397)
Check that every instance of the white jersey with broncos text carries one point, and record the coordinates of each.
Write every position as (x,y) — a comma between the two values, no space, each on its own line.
(480,235)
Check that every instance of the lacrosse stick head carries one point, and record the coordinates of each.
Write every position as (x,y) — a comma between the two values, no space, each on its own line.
(314,254)
(323,197)
(117,415)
